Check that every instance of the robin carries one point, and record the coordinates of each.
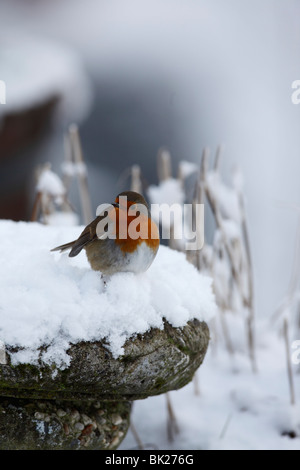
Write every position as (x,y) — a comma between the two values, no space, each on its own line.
(123,237)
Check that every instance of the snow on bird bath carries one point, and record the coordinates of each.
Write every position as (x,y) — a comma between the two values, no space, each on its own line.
(48,299)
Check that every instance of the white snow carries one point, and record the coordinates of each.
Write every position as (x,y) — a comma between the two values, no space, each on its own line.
(235,409)
(168,192)
(187,168)
(62,218)
(50,183)
(74,168)
(47,298)
(226,196)
(2,353)
(36,69)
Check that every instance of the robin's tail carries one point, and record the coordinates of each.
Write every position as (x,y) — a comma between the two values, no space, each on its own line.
(61,248)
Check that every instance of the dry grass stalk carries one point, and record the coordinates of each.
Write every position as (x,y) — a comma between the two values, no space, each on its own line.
(78,159)
(136,437)
(67,167)
(219,154)
(196,384)
(136,181)
(46,201)
(288,361)
(250,300)
(199,198)
(237,251)
(228,342)
(36,207)
(43,202)
(196,256)
(172,426)
(164,170)
(219,222)
(164,166)
(226,426)
(247,299)
(292,296)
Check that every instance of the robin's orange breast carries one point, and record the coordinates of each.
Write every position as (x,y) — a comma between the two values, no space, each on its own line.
(131,231)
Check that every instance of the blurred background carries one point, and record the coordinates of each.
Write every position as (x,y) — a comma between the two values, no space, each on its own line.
(136,75)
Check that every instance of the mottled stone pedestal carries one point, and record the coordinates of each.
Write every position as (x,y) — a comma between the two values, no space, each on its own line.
(67,425)
(87,405)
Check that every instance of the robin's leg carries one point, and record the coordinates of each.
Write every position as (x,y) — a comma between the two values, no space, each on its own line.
(104,280)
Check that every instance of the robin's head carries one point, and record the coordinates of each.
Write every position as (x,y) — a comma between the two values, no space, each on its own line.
(132,198)
(128,199)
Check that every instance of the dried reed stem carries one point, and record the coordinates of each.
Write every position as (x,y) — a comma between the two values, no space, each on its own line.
(136,436)
(196,384)
(172,426)
(136,181)
(67,167)
(251,318)
(247,300)
(219,222)
(82,177)
(36,207)
(164,167)
(294,283)
(218,157)
(288,361)
(225,427)
(227,338)
(195,257)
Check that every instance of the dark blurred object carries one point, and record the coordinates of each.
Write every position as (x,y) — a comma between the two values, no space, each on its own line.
(129,123)
(19,132)
(46,88)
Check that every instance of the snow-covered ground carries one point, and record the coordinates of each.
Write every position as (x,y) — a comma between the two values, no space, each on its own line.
(47,298)
(237,63)
(50,298)
(234,410)
(231,65)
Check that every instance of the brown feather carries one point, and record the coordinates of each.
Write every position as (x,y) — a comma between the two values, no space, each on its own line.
(88,234)
(64,247)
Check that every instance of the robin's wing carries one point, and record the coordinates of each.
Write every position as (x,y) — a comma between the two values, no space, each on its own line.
(89,234)
(64,247)
(94,231)
(102,227)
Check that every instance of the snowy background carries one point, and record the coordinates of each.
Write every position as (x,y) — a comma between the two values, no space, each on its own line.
(232,411)
(186,75)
